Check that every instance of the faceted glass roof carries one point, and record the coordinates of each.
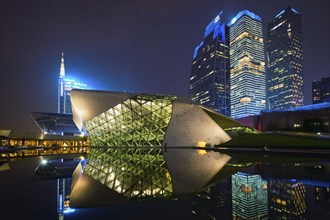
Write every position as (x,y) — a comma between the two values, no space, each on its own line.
(139,121)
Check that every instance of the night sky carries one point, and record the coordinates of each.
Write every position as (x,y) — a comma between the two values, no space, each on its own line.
(133,46)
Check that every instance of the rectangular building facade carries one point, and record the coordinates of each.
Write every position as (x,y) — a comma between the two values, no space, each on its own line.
(247,65)
(249,196)
(209,80)
(285,61)
(321,90)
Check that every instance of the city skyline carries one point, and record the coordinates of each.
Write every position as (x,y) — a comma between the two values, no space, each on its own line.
(122,46)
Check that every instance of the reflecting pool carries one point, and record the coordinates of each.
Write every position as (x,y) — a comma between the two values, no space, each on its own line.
(173,184)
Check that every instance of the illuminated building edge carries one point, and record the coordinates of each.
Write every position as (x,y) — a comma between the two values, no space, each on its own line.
(131,119)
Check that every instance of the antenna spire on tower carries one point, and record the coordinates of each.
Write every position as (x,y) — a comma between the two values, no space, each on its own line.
(62,70)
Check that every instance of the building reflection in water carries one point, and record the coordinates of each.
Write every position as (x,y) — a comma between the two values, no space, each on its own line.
(63,197)
(139,173)
(217,190)
(215,202)
(249,196)
(287,199)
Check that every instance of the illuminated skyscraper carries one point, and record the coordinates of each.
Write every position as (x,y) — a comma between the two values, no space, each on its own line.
(209,80)
(247,65)
(61,82)
(321,90)
(249,196)
(285,67)
(286,199)
(64,87)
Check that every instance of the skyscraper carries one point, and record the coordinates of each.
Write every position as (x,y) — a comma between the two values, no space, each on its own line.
(249,196)
(61,82)
(64,87)
(321,90)
(247,65)
(209,80)
(287,199)
(285,67)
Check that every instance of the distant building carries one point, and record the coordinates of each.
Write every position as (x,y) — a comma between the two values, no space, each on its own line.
(209,79)
(309,118)
(19,138)
(285,61)
(64,87)
(247,65)
(321,90)
(55,123)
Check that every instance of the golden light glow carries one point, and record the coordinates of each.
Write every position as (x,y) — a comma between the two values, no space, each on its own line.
(245,100)
(246,188)
(201,144)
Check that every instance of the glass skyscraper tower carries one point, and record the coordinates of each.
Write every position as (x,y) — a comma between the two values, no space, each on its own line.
(249,196)
(247,65)
(285,67)
(209,79)
(64,87)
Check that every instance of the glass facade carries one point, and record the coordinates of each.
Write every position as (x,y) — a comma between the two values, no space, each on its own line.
(247,65)
(287,199)
(321,90)
(139,121)
(209,79)
(132,172)
(285,61)
(249,196)
(55,123)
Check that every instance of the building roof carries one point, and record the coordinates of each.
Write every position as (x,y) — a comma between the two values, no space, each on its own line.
(13,134)
(55,123)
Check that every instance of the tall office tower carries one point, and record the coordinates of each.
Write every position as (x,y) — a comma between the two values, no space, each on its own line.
(64,87)
(285,61)
(61,82)
(247,65)
(249,196)
(287,199)
(321,90)
(209,80)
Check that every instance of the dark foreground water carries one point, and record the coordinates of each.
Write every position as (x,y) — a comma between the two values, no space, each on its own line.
(249,186)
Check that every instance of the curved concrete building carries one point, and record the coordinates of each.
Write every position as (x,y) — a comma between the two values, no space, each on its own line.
(128,162)
(132,119)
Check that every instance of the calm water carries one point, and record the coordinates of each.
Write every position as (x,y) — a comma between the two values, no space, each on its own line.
(246,187)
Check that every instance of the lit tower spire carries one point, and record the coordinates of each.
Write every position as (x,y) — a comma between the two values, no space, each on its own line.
(62,71)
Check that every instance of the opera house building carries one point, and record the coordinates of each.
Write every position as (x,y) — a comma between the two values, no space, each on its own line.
(140,146)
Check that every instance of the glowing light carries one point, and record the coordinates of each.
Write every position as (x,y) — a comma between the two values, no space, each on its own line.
(233,20)
(82,158)
(68,210)
(44,162)
(279,13)
(277,25)
(244,12)
(245,100)
(217,18)
(201,144)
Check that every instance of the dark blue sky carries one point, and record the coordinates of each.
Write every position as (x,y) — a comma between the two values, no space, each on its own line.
(142,46)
